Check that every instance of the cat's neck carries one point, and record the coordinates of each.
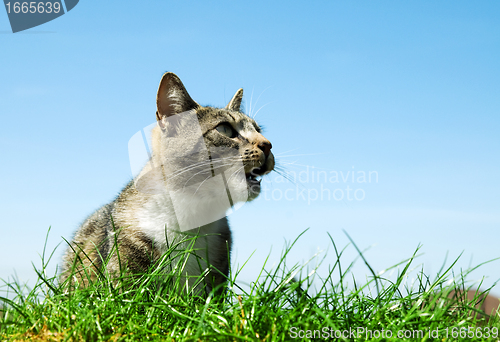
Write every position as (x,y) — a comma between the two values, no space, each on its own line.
(164,209)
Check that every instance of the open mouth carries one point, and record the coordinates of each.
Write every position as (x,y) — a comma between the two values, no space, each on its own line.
(254,177)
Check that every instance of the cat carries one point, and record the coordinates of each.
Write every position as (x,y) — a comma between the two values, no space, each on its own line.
(204,161)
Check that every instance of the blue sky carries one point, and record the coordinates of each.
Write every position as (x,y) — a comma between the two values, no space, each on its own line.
(408,90)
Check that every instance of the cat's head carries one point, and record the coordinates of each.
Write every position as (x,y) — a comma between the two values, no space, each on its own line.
(194,143)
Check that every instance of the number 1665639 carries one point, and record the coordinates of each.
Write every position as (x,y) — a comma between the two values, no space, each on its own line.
(33,7)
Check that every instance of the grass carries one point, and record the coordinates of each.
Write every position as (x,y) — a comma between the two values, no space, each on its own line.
(283,304)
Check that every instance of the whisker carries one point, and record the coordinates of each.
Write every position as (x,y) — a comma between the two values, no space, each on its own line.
(200,164)
(279,154)
(300,155)
(243,167)
(285,162)
(253,117)
(311,166)
(214,168)
(198,188)
(257,101)
(287,177)
(250,105)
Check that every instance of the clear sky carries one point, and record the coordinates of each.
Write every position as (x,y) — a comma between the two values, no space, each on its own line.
(409,91)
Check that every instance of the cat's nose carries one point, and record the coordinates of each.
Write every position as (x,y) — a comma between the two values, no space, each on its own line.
(266,147)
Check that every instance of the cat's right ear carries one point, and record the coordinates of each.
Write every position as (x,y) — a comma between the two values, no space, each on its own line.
(235,102)
(172,98)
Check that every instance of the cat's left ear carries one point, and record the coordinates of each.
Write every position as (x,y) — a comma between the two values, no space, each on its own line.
(172,98)
(235,102)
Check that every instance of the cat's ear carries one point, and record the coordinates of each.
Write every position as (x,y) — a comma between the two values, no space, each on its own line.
(235,102)
(172,97)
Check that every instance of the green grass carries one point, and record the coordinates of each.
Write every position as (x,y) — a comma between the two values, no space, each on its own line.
(283,304)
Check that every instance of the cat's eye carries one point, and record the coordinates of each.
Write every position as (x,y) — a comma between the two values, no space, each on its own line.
(226,130)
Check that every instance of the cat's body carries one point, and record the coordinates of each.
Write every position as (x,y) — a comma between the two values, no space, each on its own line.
(204,160)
